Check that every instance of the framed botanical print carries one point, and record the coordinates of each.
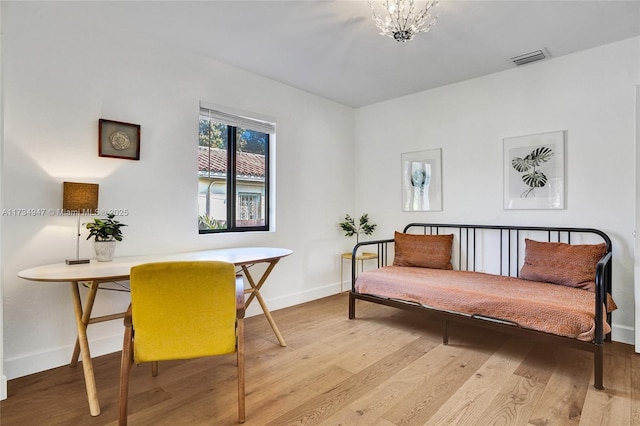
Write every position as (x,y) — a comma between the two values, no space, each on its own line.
(534,171)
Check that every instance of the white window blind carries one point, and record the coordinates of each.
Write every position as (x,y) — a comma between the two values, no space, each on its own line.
(241,120)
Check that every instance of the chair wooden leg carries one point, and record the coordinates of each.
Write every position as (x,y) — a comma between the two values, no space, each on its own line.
(154,368)
(241,390)
(125,371)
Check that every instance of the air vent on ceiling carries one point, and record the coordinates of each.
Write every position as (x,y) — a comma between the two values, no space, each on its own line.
(526,58)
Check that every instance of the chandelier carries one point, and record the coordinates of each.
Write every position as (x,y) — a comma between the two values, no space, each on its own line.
(404,20)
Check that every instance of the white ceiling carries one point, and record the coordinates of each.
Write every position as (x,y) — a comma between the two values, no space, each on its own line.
(333,49)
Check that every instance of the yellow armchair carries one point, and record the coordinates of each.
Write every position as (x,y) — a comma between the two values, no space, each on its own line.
(183,310)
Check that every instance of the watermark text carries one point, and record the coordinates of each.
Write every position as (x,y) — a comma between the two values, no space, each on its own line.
(35,212)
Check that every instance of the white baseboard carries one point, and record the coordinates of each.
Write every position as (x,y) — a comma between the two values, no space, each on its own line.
(622,334)
(3,387)
(295,299)
(57,357)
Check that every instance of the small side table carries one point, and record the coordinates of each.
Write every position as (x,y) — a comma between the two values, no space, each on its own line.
(361,257)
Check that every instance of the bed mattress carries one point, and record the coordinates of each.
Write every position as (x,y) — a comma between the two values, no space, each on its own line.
(550,308)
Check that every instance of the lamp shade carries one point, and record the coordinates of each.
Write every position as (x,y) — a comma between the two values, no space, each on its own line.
(80,197)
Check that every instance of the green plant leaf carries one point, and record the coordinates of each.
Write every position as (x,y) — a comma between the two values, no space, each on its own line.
(104,230)
(350,228)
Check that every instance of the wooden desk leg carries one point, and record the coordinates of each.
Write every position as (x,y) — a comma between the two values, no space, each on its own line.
(86,316)
(256,288)
(87,365)
(255,292)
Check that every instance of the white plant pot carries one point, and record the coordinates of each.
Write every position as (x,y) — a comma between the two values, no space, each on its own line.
(105,250)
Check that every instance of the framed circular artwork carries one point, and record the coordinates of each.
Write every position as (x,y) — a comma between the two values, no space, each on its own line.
(118,140)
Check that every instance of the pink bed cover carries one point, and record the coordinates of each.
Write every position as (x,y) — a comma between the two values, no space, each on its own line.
(551,308)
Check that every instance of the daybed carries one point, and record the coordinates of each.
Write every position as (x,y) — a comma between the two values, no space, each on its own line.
(551,283)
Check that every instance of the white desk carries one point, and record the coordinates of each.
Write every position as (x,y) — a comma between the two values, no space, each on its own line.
(119,269)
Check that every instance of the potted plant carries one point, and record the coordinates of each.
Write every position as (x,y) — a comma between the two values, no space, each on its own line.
(106,232)
(350,228)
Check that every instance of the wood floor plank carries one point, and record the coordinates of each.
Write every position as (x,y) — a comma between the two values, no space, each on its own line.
(317,409)
(613,405)
(379,422)
(472,398)
(293,394)
(366,347)
(563,398)
(539,363)
(514,403)
(318,353)
(415,392)
(444,370)
(437,388)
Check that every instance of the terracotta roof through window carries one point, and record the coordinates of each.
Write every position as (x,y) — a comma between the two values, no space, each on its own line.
(214,160)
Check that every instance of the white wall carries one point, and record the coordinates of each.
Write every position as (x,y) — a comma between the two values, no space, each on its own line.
(590,94)
(65,68)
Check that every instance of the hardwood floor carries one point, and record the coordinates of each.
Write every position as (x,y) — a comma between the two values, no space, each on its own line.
(387,367)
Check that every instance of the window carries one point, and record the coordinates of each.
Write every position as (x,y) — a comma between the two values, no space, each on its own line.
(233,172)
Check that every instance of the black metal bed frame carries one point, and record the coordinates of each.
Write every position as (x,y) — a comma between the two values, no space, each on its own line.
(510,246)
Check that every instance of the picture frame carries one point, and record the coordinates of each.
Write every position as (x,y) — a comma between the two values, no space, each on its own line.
(422,180)
(118,140)
(534,171)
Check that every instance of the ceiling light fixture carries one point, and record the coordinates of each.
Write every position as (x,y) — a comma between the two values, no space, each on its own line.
(404,20)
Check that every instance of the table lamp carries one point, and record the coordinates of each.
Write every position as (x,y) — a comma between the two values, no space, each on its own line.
(79,198)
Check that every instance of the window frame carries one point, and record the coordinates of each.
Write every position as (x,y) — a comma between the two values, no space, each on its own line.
(232,195)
